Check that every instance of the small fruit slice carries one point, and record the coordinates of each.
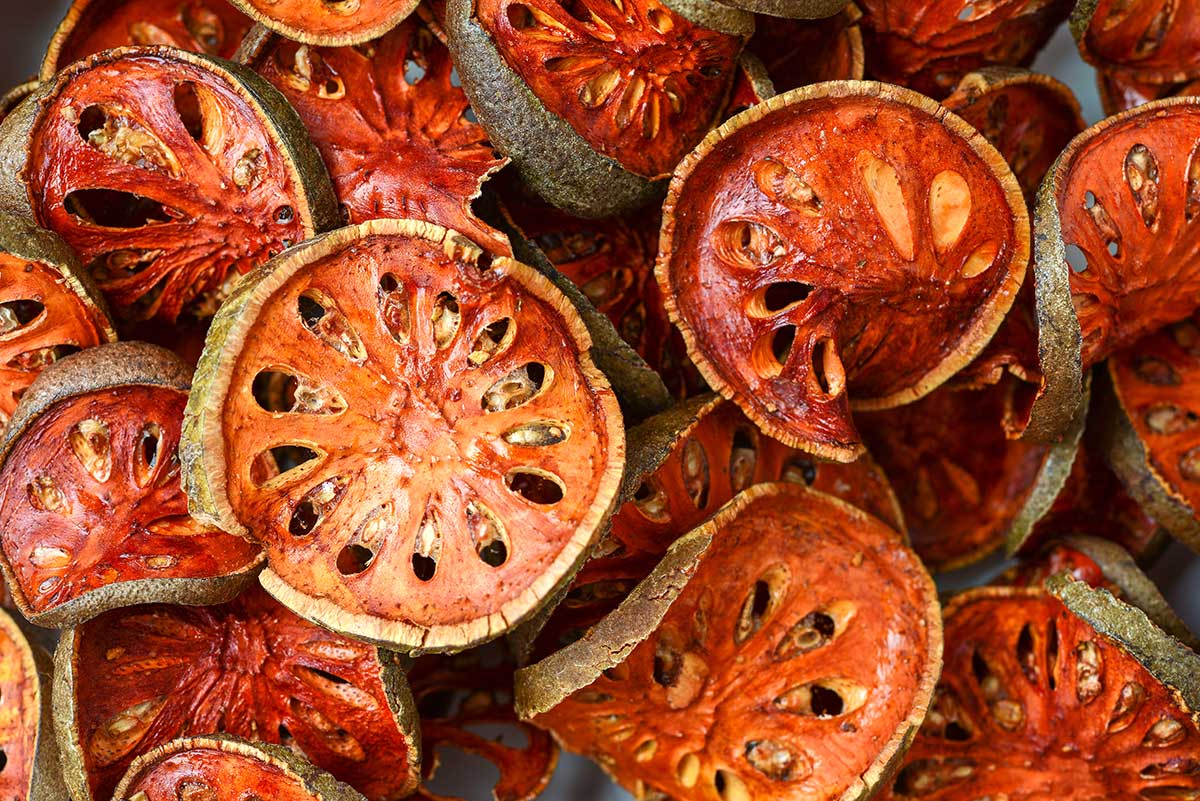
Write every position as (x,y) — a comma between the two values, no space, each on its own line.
(1119,92)
(799,52)
(1152,40)
(790,309)
(31,770)
(392,127)
(48,308)
(413,430)
(92,515)
(785,649)
(212,27)
(169,172)
(330,23)
(1036,703)
(133,679)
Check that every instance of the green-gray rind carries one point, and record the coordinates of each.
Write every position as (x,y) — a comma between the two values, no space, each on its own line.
(394,669)
(791,9)
(716,16)
(45,781)
(73,772)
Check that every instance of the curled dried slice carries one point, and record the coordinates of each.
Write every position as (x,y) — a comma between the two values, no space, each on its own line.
(413,430)
(1157,41)
(1036,703)
(1119,92)
(31,769)
(799,52)
(92,515)
(785,649)
(392,127)
(132,679)
(48,308)
(169,172)
(791,260)
(213,27)
(330,23)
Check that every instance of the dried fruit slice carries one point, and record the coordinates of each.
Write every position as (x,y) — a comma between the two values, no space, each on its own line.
(168,172)
(48,308)
(31,770)
(132,679)
(788,307)
(392,127)
(595,100)
(1119,92)
(213,27)
(222,768)
(1154,40)
(931,46)
(1036,703)
(442,453)
(751,86)
(753,662)
(1116,256)
(330,23)
(797,53)
(92,515)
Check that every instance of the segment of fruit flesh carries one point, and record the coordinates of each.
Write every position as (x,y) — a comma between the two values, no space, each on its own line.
(20,711)
(213,774)
(90,497)
(165,180)
(332,17)
(437,442)
(148,674)
(1153,39)
(1119,92)
(1033,703)
(772,672)
(638,82)
(41,320)
(1127,205)
(391,127)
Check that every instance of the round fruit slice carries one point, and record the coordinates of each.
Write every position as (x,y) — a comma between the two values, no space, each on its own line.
(1115,256)
(931,46)
(1153,40)
(132,679)
(222,768)
(595,100)
(413,430)
(1119,92)
(331,23)
(48,308)
(785,649)
(169,172)
(213,27)
(92,515)
(392,127)
(31,769)
(791,260)
(1036,703)
(797,53)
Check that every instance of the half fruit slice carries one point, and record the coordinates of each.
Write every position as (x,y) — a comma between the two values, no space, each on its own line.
(331,23)
(32,770)
(1157,41)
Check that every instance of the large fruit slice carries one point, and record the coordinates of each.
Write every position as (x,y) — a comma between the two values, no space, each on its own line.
(797,53)
(331,23)
(786,649)
(414,431)
(595,100)
(931,46)
(92,515)
(213,27)
(1153,40)
(392,127)
(48,308)
(133,679)
(31,769)
(1036,703)
(790,259)
(1117,255)
(167,171)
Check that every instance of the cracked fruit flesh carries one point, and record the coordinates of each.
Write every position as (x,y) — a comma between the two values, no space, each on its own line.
(413,430)
(799,649)
(328,22)
(136,678)
(789,259)
(1153,40)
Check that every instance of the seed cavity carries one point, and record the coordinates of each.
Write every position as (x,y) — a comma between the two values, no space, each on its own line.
(743,459)
(1167,418)
(1089,669)
(1189,464)
(694,466)
(816,629)
(320,315)
(882,184)
(487,534)
(492,340)
(354,558)
(980,260)
(947,718)
(781,184)
(283,464)
(1127,706)
(1141,173)
(778,297)
(540,433)
(16,314)
(651,501)
(730,787)
(315,505)
(90,443)
(596,90)
(747,244)
(762,601)
(825,698)
(1154,370)
(535,485)
(645,751)
(121,733)
(687,772)
(517,388)
(1164,733)
(112,208)
(427,548)
(927,776)
(799,470)
(49,557)
(1192,202)
(335,738)
(827,368)
(45,496)
(949,209)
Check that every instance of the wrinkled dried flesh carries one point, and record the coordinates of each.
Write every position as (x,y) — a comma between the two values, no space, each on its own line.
(90,497)
(801,52)
(164,179)
(1152,41)
(20,710)
(391,127)
(266,674)
(771,672)
(637,81)
(1035,704)
(342,18)
(210,774)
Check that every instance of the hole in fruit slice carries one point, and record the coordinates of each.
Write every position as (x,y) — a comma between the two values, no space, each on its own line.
(517,388)
(16,314)
(187,106)
(282,464)
(354,559)
(536,486)
(111,208)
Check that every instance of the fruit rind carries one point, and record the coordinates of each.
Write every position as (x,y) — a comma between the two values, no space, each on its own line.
(46,782)
(325,40)
(717,16)
(791,9)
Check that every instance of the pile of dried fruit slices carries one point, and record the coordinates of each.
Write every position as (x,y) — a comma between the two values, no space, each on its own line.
(383,379)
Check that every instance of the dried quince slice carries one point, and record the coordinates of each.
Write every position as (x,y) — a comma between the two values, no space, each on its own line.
(31,770)
(169,172)
(1041,699)
(1156,41)
(329,23)
(799,52)
(49,308)
(440,451)
(595,100)
(790,260)
(132,679)
(1119,92)
(92,515)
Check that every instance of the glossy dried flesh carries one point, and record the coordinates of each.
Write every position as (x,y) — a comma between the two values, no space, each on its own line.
(1033,703)
(20,711)
(164,178)
(145,675)
(790,259)
(799,52)
(42,319)
(1150,40)
(392,128)
(1119,92)
(90,498)
(800,647)
(637,81)
(330,21)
